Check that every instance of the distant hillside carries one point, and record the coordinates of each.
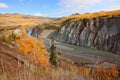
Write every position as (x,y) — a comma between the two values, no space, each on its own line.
(27,21)
(12,20)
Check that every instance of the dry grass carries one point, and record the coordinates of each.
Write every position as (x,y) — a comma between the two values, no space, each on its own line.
(15,66)
(10,69)
(13,20)
(17,71)
(107,14)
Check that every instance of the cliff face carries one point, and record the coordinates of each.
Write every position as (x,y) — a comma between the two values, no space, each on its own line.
(36,31)
(101,33)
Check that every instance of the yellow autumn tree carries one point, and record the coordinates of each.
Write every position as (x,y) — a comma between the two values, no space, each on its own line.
(36,51)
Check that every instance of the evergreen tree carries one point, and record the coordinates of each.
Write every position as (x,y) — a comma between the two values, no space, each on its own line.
(53,54)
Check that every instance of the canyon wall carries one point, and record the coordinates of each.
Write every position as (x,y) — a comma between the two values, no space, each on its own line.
(100,33)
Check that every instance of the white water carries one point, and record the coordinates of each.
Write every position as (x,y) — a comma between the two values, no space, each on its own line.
(29,32)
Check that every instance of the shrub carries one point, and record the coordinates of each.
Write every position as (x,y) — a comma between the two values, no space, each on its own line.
(50,27)
(3,38)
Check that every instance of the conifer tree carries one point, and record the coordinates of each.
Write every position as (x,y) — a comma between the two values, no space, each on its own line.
(53,54)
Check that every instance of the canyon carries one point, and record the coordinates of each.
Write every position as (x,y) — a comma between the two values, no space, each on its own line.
(101,33)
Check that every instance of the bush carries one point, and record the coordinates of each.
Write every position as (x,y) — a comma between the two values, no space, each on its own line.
(11,37)
(50,27)
(3,38)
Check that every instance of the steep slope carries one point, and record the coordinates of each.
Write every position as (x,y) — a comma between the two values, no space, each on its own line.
(101,31)
(14,66)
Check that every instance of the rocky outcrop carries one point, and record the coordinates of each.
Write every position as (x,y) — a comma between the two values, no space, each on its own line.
(36,31)
(40,33)
(101,33)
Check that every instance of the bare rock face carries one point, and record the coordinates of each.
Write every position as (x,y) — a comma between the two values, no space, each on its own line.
(36,31)
(101,33)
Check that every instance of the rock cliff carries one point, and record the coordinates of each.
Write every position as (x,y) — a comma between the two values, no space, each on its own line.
(100,33)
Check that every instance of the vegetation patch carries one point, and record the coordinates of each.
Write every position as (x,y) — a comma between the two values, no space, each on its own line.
(50,27)
(96,15)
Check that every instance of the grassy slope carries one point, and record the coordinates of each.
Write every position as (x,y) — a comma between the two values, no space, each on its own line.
(107,14)
(13,20)
(9,56)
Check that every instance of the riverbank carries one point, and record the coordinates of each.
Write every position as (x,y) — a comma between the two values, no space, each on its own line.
(86,56)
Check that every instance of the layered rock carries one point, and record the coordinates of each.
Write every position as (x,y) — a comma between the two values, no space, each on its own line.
(101,33)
